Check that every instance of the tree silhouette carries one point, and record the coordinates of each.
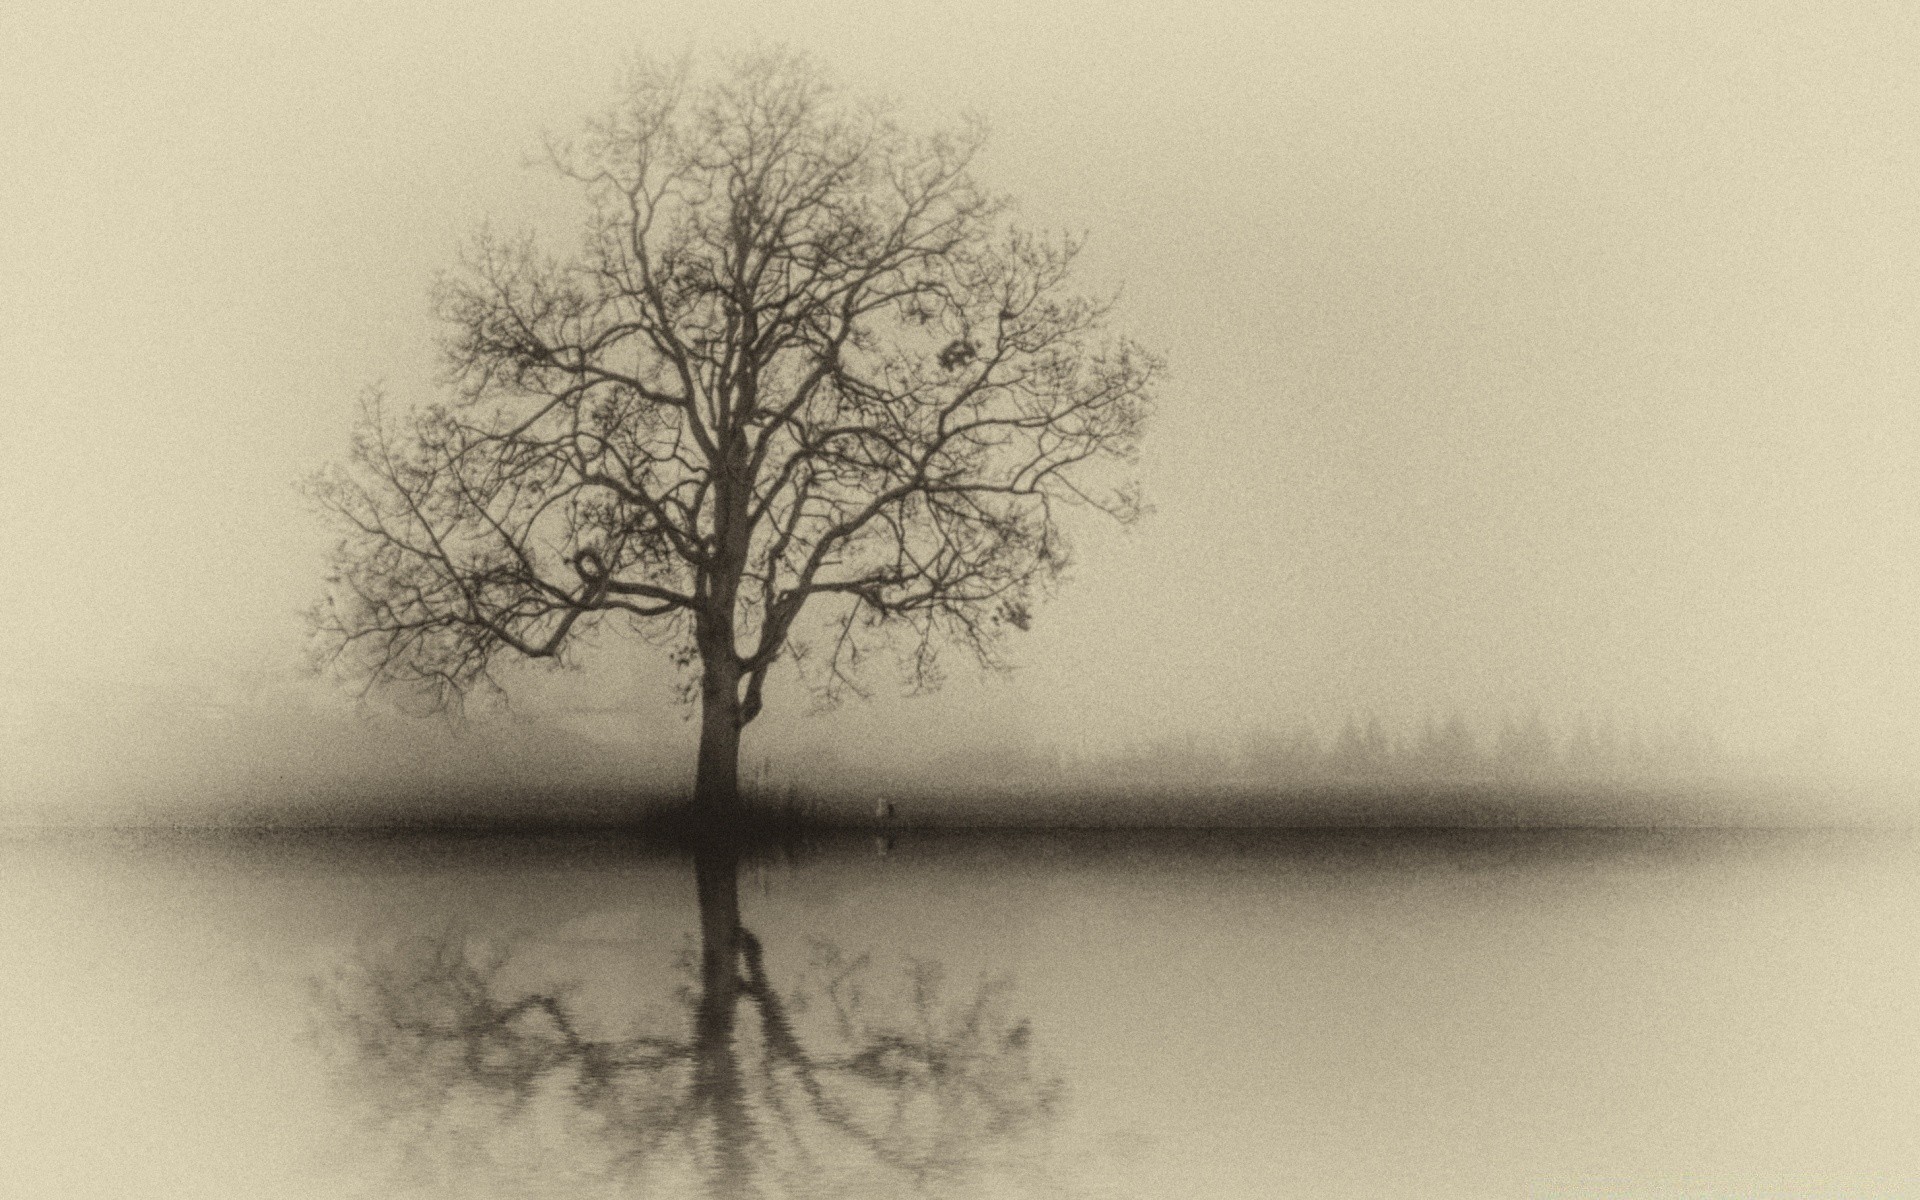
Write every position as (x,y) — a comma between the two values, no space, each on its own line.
(1447,750)
(1526,748)
(801,363)
(1362,755)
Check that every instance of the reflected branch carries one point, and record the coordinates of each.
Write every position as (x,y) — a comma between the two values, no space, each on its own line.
(910,1092)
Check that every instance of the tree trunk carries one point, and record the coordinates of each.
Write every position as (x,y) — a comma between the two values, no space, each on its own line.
(716,787)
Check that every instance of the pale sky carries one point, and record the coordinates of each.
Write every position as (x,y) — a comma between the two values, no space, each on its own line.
(1523,356)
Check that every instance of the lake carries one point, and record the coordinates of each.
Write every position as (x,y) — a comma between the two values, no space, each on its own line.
(1328,1014)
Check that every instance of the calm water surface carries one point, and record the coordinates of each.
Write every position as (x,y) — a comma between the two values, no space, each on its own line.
(1334,1015)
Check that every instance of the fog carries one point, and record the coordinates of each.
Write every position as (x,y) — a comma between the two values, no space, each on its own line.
(1524,361)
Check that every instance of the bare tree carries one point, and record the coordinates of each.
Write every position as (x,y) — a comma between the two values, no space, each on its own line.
(801,362)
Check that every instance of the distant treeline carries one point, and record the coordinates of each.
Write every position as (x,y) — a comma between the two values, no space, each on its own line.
(1451,749)
(1528,752)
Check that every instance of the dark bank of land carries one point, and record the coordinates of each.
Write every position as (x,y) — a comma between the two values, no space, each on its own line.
(517,808)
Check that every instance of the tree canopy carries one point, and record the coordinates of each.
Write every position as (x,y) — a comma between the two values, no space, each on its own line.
(800,362)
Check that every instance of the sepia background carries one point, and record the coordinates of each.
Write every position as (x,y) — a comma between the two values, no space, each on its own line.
(1539,448)
(1527,361)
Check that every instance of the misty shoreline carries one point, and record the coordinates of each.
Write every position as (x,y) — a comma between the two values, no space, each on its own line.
(791,814)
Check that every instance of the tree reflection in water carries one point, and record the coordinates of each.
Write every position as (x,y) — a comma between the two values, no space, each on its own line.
(473,1089)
